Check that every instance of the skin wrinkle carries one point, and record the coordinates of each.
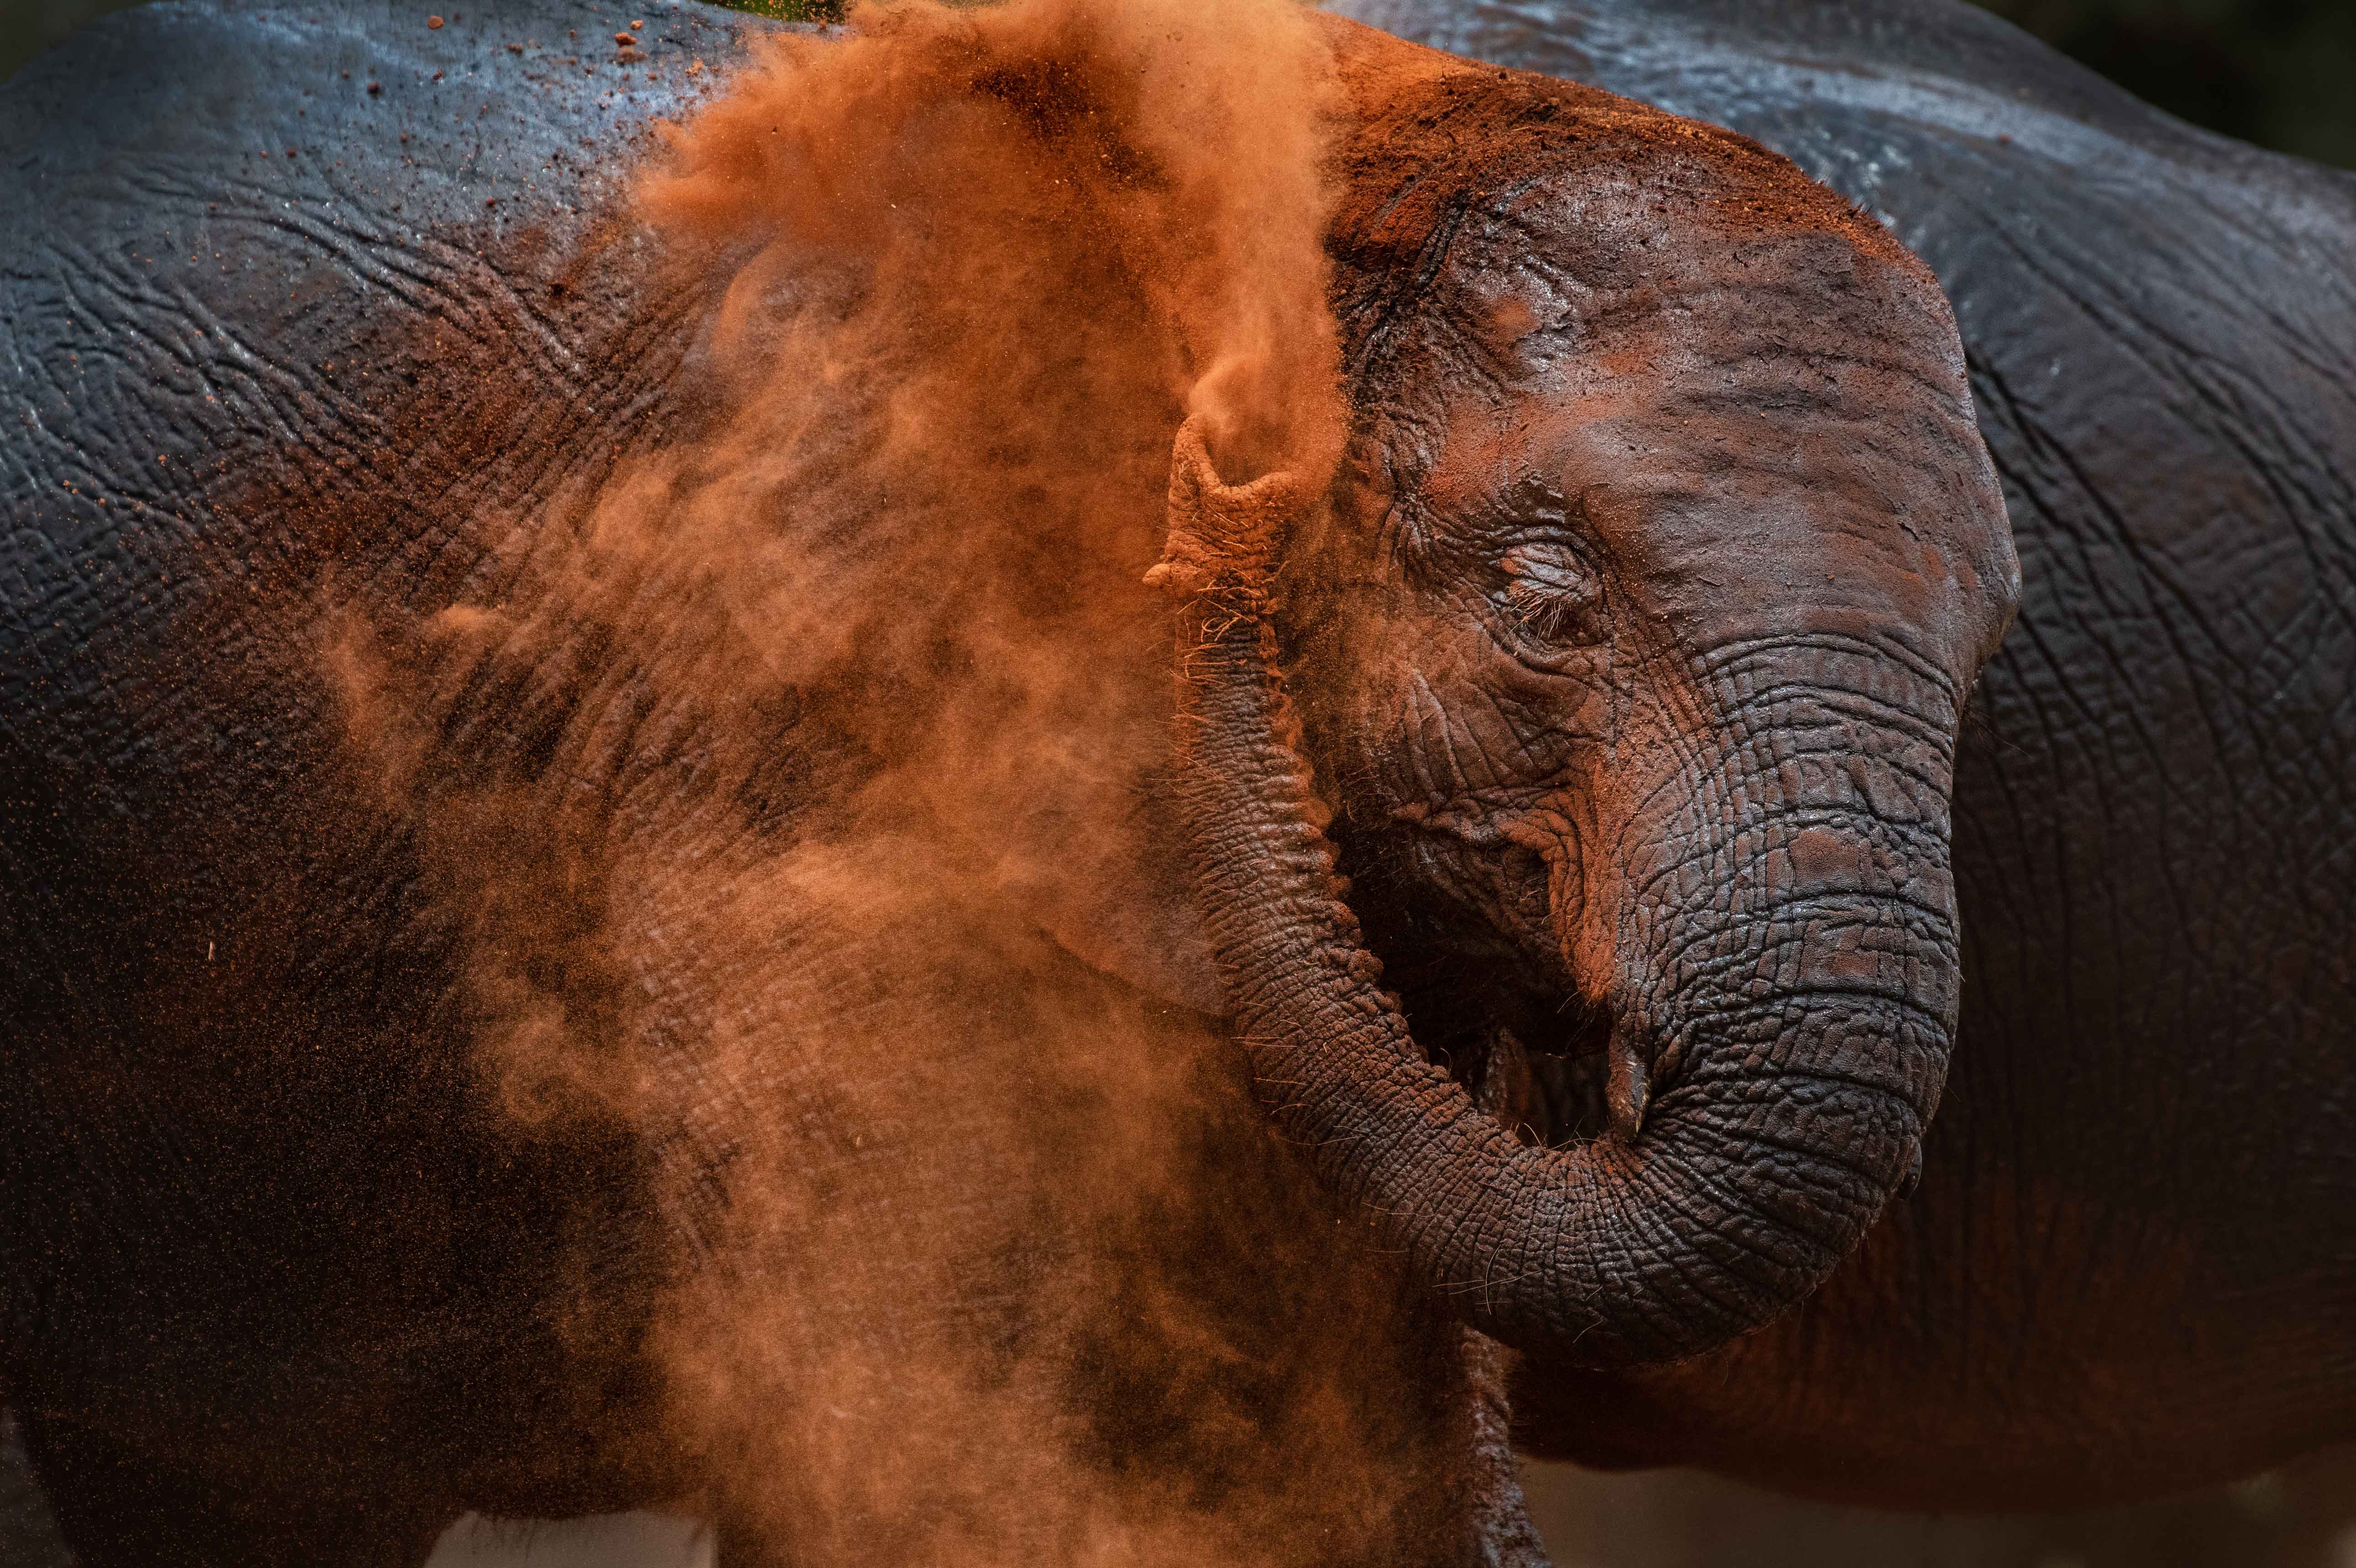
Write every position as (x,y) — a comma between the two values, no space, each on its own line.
(2078,481)
(1692,1268)
(2127,540)
(1723,661)
(2144,321)
(1800,818)
(1776,916)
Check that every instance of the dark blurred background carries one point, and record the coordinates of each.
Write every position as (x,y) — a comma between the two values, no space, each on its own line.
(2281,73)
(2276,72)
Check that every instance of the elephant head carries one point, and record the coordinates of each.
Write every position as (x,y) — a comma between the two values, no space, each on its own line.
(1620,669)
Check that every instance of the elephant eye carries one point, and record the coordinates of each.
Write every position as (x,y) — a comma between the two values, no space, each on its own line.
(1552,595)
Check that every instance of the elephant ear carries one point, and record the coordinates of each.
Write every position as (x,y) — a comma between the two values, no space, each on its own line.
(1122,903)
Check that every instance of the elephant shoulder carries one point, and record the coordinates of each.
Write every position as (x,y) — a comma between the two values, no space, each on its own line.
(247,247)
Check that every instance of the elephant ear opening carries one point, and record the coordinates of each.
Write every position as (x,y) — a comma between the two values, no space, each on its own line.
(1122,902)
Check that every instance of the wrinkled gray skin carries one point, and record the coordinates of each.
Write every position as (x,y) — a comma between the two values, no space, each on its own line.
(2132,1261)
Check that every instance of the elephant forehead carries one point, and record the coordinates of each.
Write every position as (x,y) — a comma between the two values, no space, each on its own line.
(1635,267)
(1718,553)
(1731,499)
(1758,427)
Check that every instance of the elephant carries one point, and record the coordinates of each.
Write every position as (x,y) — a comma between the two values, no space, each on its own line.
(545,987)
(2131,1263)
(1579,894)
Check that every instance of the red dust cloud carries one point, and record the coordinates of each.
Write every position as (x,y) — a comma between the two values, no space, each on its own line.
(820,851)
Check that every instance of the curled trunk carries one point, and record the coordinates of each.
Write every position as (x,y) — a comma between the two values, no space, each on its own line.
(1792,1086)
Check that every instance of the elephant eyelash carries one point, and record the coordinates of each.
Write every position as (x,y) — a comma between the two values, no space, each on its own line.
(1551,618)
(1552,594)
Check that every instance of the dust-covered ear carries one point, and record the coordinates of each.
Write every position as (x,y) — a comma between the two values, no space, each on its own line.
(1128,910)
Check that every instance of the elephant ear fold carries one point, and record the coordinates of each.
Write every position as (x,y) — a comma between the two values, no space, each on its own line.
(1122,904)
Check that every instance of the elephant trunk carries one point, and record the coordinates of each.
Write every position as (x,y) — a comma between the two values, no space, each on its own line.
(1798,1033)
